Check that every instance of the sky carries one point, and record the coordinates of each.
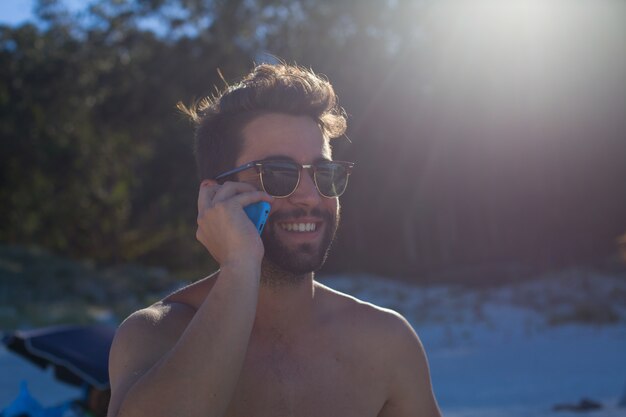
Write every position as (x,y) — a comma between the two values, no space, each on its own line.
(15,12)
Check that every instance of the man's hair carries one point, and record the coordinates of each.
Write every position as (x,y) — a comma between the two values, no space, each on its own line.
(282,88)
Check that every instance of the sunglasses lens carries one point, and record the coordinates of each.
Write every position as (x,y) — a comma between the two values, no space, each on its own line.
(331,178)
(280,178)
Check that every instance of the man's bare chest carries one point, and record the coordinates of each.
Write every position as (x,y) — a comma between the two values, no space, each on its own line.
(281,380)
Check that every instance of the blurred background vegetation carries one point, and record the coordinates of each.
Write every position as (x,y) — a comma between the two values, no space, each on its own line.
(489,137)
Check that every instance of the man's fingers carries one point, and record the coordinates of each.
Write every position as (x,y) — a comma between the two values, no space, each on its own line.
(230,189)
(206,194)
(240,193)
(252,197)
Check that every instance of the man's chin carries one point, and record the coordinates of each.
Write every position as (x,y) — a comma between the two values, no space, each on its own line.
(304,259)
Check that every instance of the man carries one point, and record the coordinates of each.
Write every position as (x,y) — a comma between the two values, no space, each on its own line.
(261,337)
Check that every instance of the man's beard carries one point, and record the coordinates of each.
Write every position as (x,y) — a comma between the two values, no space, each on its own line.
(289,265)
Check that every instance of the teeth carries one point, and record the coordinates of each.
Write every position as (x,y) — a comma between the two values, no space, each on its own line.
(299,227)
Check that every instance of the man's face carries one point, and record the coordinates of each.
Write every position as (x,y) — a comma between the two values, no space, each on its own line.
(300,139)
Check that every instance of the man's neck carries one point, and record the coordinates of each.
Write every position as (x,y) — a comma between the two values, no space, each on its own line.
(284,305)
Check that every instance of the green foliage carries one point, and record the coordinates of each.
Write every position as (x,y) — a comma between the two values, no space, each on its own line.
(96,156)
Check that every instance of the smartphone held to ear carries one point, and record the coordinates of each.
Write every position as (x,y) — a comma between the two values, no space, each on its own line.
(257,213)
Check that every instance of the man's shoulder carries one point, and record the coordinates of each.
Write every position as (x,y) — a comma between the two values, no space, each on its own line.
(365,319)
(161,315)
(160,323)
(145,336)
(168,317)
(387,350)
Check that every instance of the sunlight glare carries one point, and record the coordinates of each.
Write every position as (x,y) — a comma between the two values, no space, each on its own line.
(521,62)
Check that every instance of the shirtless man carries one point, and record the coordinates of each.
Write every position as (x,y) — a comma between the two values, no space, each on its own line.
(261,337)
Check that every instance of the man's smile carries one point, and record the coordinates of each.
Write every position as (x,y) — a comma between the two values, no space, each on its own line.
(299,226)
(300,229)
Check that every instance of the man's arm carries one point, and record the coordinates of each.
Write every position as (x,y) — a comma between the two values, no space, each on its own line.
(158,369)
(411,392)
(170,360)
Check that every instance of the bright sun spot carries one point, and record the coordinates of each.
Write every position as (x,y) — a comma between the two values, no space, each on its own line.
(527,62)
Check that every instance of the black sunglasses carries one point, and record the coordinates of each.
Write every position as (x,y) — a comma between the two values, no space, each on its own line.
(281,178)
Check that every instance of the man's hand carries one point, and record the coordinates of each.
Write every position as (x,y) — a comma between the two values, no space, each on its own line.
(223,227)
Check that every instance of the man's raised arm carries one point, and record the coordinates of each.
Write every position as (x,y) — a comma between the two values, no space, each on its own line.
(171,359)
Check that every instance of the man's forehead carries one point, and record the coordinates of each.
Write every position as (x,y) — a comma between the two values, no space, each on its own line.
(298,138)
(323,153)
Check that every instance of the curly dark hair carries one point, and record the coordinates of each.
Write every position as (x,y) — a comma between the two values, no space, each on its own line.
(281,88)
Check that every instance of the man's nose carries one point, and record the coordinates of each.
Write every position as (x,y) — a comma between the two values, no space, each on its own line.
(306,193)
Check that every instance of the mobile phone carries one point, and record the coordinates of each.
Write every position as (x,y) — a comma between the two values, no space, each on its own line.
(257,213)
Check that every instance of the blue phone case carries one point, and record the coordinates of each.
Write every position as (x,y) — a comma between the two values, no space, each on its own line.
(258,212)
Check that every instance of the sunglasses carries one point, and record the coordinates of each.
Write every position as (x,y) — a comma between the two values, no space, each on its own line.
(281,178)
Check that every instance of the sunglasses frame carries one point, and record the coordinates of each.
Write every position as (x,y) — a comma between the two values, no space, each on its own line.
(258,166)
